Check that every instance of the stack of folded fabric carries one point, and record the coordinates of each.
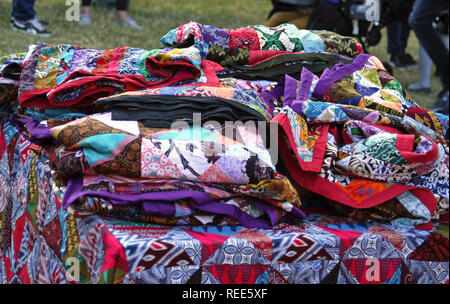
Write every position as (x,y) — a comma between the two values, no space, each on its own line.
(249,155)
(356,138)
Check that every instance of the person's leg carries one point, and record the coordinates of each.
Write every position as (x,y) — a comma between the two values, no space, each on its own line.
(86,7)
(122,15)
(425,72)
(425,64)
(398,33)
(405,29)
(24,19)
(121,8)
(407,59)
(85,18)
(23,10)
(394,35)
(421,21)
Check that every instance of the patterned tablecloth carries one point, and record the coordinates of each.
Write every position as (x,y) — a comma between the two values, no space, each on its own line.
(41,242)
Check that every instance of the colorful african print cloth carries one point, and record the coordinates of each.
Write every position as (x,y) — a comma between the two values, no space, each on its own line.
(66,75)
(42,242)
(356,137)
(264,53)
(164,106)
(162,166)
(285,37)
(202,168)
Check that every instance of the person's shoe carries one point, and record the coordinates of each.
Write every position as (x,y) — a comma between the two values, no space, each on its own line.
(408,61)
(33,26)
(441,105)
(84,20)
(402,62)
(397,62)
(129,22)
(43,22)
(418,87)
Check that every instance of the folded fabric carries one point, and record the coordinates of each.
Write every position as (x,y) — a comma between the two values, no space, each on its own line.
(259,52)
(10,67)
(160,108)
(247,211)
(67,75)
(195,153)
(271,65)
(358,193)
(285,37)
(366,84)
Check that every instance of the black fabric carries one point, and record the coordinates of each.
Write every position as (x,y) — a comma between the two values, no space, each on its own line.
(160,111)
(121,5)
(278,6)
(292,64)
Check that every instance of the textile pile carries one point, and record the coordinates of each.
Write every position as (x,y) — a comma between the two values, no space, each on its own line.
(250,155)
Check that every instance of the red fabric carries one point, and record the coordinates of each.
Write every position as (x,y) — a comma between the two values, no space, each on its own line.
(334,192)
(45,98)
(2,142)
(244,38)
(405,145)
(257,57)
(319,146)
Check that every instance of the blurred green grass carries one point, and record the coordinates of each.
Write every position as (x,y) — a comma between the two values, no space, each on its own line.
(158,17)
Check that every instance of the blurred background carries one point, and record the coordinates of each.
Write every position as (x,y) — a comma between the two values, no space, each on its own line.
(157,17)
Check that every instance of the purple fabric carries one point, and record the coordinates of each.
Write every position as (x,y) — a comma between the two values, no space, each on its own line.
(290,90)
(306,80)
(275,93)
(157,208)
(233,211)
(29,70)
(74,191)
(339,71)
(39,133)
(158,203)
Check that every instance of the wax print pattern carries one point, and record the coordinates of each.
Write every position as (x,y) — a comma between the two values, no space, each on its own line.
(9,83)
(186,176)
(190,154)
(285,37)
(359,194)
(355,134)
(65,75)
(41,242)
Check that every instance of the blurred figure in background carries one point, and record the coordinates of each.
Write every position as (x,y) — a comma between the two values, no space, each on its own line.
(290,11)
(421,20)
(122,15)
(24,19)
(425,63)
(397,41)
